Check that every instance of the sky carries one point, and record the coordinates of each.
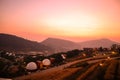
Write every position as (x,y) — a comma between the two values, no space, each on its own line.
(75,20)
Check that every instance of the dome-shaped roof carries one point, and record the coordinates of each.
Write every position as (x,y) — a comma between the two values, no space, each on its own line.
(31,66)
(46,62)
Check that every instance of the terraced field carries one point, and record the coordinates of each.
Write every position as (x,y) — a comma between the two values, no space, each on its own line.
(103,70)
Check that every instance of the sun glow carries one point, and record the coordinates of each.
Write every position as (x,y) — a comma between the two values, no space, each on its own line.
(80,22)
(77,25)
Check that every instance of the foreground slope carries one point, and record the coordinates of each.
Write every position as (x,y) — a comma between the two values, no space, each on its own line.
(101,70)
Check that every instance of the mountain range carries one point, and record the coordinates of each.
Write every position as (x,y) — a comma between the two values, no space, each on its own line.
(51,45)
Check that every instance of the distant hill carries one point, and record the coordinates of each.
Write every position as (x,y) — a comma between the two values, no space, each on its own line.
(51,45)
(60,45)
(14,43)
(98,43)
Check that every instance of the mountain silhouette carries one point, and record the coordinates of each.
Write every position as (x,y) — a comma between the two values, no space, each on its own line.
(13,43)
(98,43)
(51,45)
(60,44)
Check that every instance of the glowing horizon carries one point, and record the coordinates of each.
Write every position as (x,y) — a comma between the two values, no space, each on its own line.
(75,20)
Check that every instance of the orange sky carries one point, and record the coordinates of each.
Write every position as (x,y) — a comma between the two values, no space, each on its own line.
(75,20)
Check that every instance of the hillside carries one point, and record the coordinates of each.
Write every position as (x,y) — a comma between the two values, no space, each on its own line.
(64,45)
(101,70)
(98,43)
(14,43)
(60,44)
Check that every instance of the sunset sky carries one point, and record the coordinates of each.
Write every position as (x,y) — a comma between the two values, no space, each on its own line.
(75,20)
